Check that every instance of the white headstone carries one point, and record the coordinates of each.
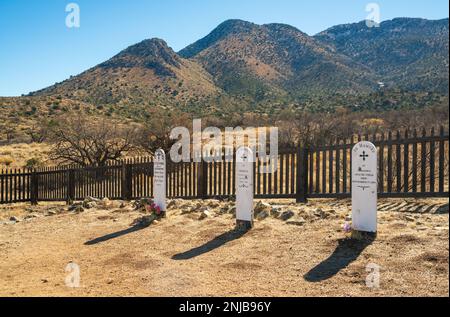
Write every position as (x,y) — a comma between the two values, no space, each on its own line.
(364,187)
(159,179)
(244,187)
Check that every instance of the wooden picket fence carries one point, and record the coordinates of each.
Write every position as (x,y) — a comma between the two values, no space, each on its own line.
(411,164)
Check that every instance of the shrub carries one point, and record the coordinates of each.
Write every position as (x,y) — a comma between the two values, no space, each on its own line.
(33,163)
(7,161)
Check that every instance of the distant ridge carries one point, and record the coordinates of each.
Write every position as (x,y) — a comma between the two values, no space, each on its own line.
(410,53)
(246,62)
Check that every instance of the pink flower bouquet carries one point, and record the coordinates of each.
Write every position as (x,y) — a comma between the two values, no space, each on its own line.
(154,209)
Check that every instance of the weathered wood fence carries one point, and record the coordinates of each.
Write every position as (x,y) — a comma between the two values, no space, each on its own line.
(411,164)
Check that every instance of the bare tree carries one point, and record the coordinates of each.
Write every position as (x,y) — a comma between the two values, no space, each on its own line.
(38,132)
(155,133)
(9,130)
(86,141)
(301,128)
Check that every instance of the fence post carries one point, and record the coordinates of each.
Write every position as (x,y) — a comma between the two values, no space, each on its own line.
(70,186)
(126,182)
(34,187)
(202,180)
(302,175)
(168,167)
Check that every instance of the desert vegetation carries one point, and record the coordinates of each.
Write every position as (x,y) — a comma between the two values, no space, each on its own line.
(82,137)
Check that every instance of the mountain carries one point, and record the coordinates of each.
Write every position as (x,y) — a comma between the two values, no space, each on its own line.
(403,52)
(259,60)
(148,73)
(266,67)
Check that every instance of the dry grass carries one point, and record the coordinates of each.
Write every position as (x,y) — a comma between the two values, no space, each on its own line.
(17,155)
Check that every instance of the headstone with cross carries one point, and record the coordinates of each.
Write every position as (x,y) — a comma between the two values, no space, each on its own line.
(364,187)
(159,180)
(244,188)
(364,156)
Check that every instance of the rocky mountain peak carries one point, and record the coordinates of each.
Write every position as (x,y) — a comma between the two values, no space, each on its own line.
(152,53)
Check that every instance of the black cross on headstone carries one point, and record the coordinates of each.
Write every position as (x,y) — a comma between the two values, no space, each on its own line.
(364,156)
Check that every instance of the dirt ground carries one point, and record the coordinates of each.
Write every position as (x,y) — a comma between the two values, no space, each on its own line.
(305,255)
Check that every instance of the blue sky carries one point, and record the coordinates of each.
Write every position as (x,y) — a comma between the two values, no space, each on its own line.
(37,49)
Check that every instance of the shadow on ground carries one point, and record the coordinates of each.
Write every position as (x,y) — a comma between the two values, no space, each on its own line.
(347,251)
(115,235)
(211,245)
